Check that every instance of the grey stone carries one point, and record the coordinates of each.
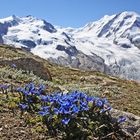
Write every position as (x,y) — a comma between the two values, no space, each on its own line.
(132,124)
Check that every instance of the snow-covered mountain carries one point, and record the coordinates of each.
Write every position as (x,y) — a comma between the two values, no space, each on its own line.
(110,45)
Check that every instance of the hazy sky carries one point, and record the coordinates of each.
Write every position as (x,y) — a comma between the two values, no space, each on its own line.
(67,13)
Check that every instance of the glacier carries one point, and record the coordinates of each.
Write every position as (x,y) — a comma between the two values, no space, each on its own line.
(110,45)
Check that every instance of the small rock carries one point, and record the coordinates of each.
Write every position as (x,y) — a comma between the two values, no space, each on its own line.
(21,131)
(6,126)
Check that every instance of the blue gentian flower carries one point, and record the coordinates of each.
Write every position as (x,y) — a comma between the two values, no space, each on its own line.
(75,100)
(36,92)
(51,99)
(56,111)
(75,109)
(23,106)
(121,119)
(82,95)
(61,110)
(84,108)
(4,87)
(67,111)
(105,109)
(84,103)
(44,98)
(30,100)
(25,92)
(45,107)
(99,103)
(41,87)
(43,113)
(89,99)
(105,101)
(13,66)
(65,121)
(19,89)
(66,104)
(30,87)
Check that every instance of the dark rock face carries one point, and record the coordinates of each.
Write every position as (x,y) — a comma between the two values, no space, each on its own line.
(29,64)
(136,42)
(107,26)
(137,23)
(125,46)
(4,26)
(71,50)
(3,29)
(28,43)
(43,42)
(48,27)
(60,47)
(11,23)
(81,61)
(1,40)
(68,38)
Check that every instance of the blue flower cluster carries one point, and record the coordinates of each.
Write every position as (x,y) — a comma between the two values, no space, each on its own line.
(4,87)
(68,106)
(31,89)
(29,95)
(65,107)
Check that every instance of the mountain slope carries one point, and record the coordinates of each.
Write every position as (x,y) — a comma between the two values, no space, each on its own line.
(122,94)
(110,45)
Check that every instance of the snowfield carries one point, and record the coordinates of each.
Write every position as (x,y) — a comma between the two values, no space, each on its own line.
(110,45)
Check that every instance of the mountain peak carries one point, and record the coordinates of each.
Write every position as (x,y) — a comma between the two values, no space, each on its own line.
(125,13)
(30,18)
(112,26)
(9,19)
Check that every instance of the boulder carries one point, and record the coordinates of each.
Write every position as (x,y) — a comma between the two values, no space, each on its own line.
(29,64)
(132,125)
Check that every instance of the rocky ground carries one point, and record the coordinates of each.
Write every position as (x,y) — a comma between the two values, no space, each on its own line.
(123,95)
(15,127)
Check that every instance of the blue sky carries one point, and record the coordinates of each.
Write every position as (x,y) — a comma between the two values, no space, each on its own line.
(67,13)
